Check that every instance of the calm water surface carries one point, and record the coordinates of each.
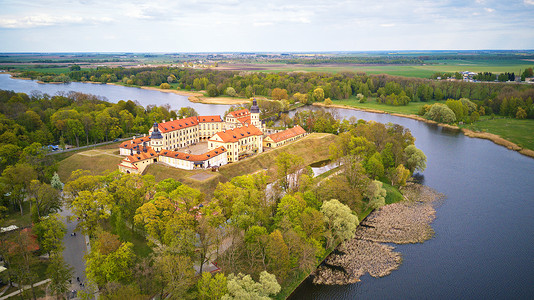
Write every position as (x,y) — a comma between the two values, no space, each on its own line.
(112,93)
(484,242)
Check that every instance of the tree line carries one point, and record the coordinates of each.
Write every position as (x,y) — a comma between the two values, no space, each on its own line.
(298,86)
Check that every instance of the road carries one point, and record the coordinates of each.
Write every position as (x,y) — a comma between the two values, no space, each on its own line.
(88,146)
(75,248)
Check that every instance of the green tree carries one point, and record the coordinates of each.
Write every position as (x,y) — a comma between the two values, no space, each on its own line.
(230,91)
(287,166)
(60,274)
(318,95)
(129,192)
(175,272)
(521,113)
(165,86)
(212,287)
(415,159)
(45,199)
(109,260)
(376,194)
(278,255)
(339,221)
(186,112)
(244,287)
(440,113)
(212,90)
(16,181)
(56,183)
(50,232)
(91,208)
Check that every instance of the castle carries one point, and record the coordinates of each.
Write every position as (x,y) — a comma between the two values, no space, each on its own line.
(240,135)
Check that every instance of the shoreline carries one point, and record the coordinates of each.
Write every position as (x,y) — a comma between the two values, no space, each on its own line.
(467,132)
(194,97)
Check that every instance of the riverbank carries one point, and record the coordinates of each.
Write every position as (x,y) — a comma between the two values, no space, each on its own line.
(467,132)
(195,97)
(400,223)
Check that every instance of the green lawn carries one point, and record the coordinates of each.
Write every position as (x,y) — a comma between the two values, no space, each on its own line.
(411,109)
(517,131)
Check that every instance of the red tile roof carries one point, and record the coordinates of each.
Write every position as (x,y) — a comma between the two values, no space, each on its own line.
(240,113)
(286,134)
(177,124)
(234,135)
(193,157)
(132,143)
(142,156)
(244,120)
(204,119)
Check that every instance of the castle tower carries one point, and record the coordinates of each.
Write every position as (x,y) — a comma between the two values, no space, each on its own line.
(255,115)
(156,139)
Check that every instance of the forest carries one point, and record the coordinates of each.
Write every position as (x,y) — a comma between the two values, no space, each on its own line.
(302,87)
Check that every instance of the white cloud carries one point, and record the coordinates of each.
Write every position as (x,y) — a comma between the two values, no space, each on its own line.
(387,25)
(490,10)
(48,20)
(529,2)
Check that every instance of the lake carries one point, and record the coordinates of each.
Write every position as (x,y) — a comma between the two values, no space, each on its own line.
(484,241)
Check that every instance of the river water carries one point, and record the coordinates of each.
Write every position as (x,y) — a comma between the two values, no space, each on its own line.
(484,242)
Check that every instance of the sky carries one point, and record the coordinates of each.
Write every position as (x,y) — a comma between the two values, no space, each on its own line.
(264,26)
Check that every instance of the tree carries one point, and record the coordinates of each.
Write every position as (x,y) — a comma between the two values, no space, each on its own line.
(287,166)
(230,91)
(212,90)
(415,159)
(50,232)
(16,181)
(212,287)
(278,255)
(45,198)
(340,222)
(59,273)
(521,113)
(129,192)
(279,94)
(90,208)
(109,260)
(165,86)
(186,112)
(244,287)
(318,95)
(376,194)
(176,273)
(440,113)
(9,155)
(328,101)
(399,176)
(56,183)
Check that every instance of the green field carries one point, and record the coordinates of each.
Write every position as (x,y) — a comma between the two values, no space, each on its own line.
(411,109)
(520,132)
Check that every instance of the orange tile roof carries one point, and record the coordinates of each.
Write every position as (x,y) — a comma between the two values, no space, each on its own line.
(244,120)
(142,156)
(177,124)
(234,135)
(204,119)
(132,143)
(193,157)
(286,134)
(240,113)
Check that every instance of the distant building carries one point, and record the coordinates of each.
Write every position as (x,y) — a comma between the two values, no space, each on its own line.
(283,137)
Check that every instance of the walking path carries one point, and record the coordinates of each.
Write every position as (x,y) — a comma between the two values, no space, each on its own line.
(25,288)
